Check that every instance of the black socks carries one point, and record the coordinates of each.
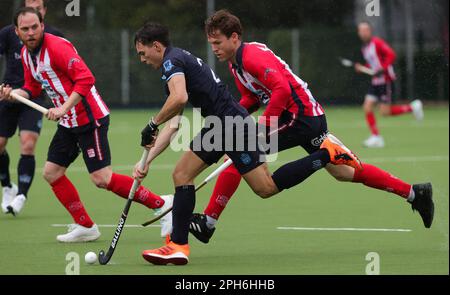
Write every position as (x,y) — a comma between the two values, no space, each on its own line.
(4,170)
(183,206)
(296,172)
(25,170)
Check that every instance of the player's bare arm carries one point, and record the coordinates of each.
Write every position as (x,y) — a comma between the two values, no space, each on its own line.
(174,105)
(54,114)
(161,143)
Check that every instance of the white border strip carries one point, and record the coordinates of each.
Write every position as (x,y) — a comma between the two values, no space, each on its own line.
(344,229)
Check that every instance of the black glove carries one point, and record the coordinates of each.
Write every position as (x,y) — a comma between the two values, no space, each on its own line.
(149,134)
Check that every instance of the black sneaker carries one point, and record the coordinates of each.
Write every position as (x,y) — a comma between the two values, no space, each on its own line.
(423,202)
(199,229)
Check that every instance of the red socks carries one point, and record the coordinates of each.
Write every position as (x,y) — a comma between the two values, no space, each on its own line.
(400,110)
(374,177)
(121,186)
(372,122)
(68,196)
(226,185)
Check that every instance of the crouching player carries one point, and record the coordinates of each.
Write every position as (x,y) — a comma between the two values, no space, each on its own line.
(52,63)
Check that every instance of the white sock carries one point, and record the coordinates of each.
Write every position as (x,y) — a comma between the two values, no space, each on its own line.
(412,195)
(210,222)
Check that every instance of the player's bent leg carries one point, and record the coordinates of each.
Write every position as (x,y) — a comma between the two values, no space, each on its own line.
(261,182)
(340,172)
(121,185)
(202,226)
(340,154)
(83,229)
(177,250)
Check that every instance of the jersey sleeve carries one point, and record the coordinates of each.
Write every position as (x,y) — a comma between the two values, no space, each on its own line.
(172,67)
(263,65)
(386,53)
(31,86)
(69,62)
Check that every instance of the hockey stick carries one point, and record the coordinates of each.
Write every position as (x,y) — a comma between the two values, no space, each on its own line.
(102,257)
(28,102)
(207,179)
(348,63)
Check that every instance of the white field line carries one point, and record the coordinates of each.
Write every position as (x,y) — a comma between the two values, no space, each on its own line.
(111,225)
(344,229)
(439,158)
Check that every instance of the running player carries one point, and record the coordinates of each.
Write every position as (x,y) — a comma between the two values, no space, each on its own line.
(380,57)
(260,75)
(13,115)
(188,78)
(52,63)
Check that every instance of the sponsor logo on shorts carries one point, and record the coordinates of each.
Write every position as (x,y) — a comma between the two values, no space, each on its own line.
(39,124)
(246,159)
(91,153)
(319,140)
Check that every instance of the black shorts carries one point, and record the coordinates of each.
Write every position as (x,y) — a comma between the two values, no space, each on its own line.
(13,115)
(307,132)
(238,142)
(91,140)
(382,93)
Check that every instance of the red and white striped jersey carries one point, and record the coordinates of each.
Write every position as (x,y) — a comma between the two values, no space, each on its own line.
(380,56)
(264,78)
(59,70)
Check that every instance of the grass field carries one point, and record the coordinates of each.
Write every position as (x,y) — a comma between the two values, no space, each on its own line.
(248,239)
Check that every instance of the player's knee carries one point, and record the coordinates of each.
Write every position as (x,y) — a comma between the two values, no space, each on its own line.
(50,176)
(180,177)
(100,180)
(28,147)
(264,192)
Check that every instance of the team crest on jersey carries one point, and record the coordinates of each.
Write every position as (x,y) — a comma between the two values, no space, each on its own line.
(72,61)
(168,65)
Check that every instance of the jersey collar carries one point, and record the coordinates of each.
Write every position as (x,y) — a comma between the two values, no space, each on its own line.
(239,57)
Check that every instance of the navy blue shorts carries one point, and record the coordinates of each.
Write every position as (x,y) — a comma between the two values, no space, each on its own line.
(15,115)
(382,93)
(91,140)
(239,142)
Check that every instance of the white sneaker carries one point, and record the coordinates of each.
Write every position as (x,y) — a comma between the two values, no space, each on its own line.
(17,205)
(8,196)
(166,221)
(78,234)
(417,107)
(374,141)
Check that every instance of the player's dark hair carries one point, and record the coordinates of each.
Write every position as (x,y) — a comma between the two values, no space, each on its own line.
(25,10)
(225,22)
(152,32)
(44,2)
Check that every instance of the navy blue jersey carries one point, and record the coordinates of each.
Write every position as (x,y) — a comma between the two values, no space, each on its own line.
(204,88)
(10,47)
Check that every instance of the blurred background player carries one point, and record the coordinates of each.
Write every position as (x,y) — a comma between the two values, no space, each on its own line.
(13,115)
(52,63)
(380,57)
(260,75)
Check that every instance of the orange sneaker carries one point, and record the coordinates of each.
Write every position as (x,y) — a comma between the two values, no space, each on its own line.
(171,253)
(339,153)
